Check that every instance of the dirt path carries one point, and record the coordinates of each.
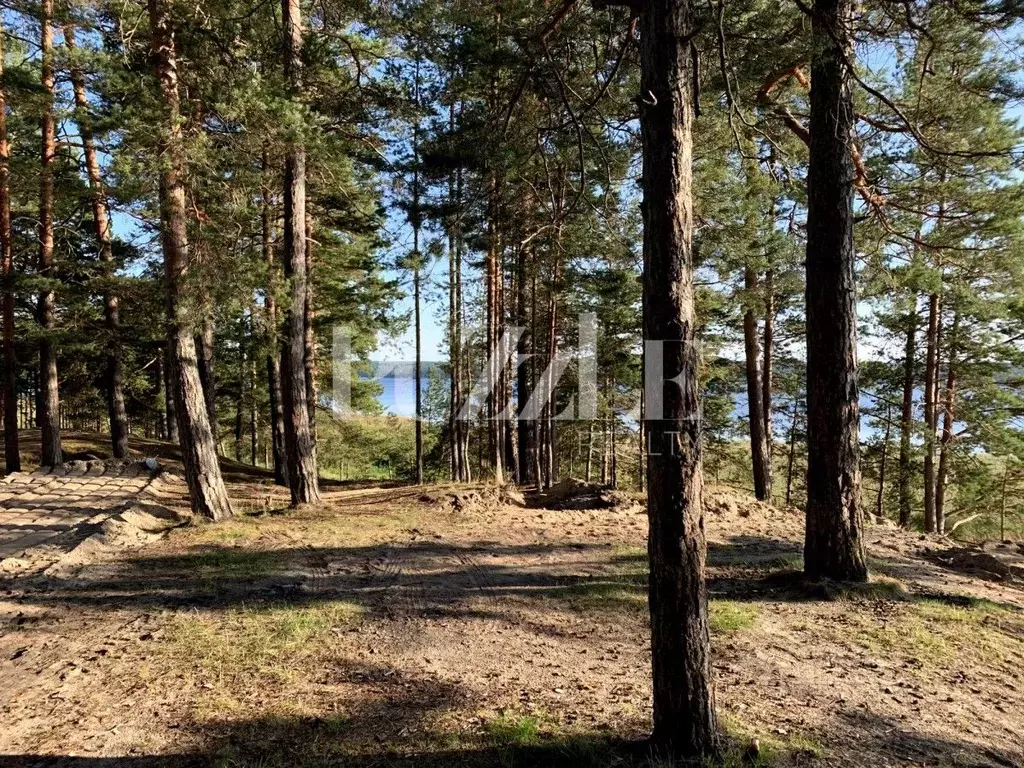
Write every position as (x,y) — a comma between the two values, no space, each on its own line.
(392,628)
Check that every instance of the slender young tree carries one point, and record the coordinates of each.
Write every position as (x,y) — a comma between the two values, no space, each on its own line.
(302,470)
(12,455)
(946,441)
(206,344)
(907,414)
(170,404)
(416,221)
(931,393)
(101,227)
(759,450)
(49,396)
(199,454)
(834,545)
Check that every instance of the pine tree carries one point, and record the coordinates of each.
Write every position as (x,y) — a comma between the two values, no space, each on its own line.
(302,470)
(12,455)
(684,708)
(48,403)
(834,546)
(199,455)
(101,223)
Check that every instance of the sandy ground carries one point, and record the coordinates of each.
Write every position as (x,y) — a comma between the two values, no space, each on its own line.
(456,627)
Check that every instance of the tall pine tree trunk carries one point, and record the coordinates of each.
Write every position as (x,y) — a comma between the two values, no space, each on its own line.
(684,705)
(760,460)
(907,416)
(524,427)
(589,464)
(49,400)
(170,402)
(101,227)
(417,263)
(277,439)
(506,434)
(243,360)
(931,378)
(312,390)
(880,498)
(454,331)
(462,374)
(493,277)
(205,349)
(254,417)
(302,469)
(834,545)
(548,441)
(791,459)
(160,404)
(946,442)
(202,472)
(614,468)
(767,371)
(12,454)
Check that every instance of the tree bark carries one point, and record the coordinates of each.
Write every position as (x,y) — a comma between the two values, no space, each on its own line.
(590,451)
(49,400)
(931,378)
(454,325)
(880,498)
(463,427)
(205,349)
(907,416)
(12,454)
(760,460)
(240,394)
(684,704)
(834,545)
(494,437)
(312,389)
(418,372)
(173,433)
(946,442)
(524,427)
(548,441)
(506,433)
(767,372)
(537,430)
(254,417)
(792,453)
(302,469)
(160,404)
(101,227)
(199,455)
(418,320)
(613,468)
(273,345)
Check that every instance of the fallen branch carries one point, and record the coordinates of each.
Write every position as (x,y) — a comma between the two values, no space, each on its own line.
(965,521)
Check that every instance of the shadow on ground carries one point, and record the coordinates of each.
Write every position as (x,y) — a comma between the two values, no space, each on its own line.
(298,743)
(429,577)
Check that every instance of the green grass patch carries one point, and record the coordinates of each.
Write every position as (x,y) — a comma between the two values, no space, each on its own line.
(249,644)
(728,616)
(622,586)
(968,610)
(942,633)
(514,730)
(231,562)
(774,749)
